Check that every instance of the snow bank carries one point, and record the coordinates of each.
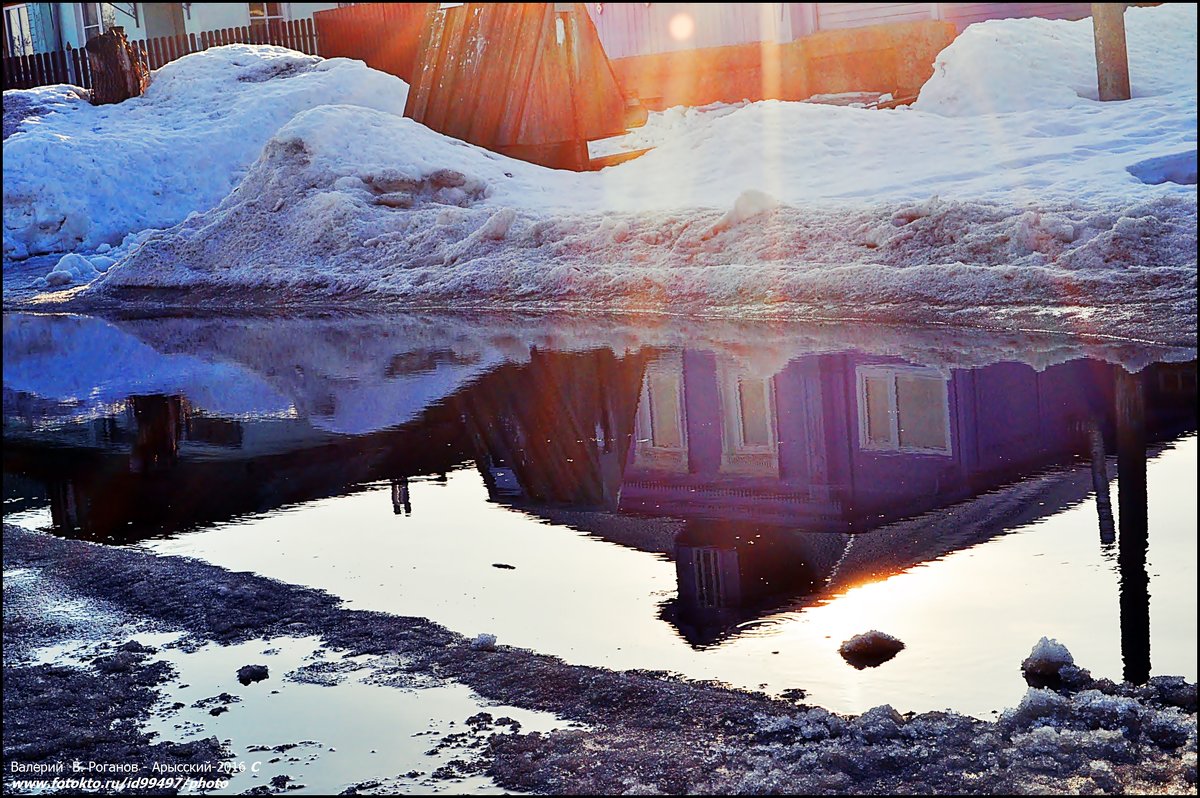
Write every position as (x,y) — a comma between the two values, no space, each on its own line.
(359,203)
(1077,217)
(79,176)
(22,106)
(1036,64)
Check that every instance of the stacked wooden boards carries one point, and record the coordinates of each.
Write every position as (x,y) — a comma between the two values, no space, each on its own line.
(529,80)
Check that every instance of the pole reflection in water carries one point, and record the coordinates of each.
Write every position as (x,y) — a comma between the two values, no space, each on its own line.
(1134,526)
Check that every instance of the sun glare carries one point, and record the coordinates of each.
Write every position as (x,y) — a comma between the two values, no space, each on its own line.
(681,26)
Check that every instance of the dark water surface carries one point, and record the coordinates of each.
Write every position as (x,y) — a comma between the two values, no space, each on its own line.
(724,501)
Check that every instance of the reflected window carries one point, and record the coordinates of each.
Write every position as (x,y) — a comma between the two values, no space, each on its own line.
(706,576)
(903,410)
(666,415)
(750,443)
(661,418)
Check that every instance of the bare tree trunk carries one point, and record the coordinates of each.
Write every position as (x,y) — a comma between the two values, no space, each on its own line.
(117,70)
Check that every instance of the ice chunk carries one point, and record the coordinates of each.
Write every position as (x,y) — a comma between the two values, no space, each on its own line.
(74,268)
(880,723)
(750,203)
(101,263)
(1047,658)
(497,226)
(484,642)
(1037,705)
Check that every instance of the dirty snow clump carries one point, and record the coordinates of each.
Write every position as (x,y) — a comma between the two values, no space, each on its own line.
(484,642)
(870,649)
(1047,658)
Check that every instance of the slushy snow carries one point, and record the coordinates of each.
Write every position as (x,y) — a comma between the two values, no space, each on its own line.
(78,176)
(1061,213)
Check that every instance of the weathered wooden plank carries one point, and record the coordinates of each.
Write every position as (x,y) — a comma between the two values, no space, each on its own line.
(39,71)
(62,75)
(486,124)
(462,103)
(308,37)
(445,68)
(76,73)
(548,117)
(425,71)
(522,88)
(518,77)
(600,101)
(603,161)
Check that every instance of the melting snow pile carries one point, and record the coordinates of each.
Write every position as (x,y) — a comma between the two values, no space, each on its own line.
(80,176)
(360,203)
(1038,64)
(1073,216)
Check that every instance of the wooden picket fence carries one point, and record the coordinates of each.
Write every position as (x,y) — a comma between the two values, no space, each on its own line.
(71,65)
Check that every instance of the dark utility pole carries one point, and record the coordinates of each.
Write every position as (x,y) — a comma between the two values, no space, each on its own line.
(1112,57)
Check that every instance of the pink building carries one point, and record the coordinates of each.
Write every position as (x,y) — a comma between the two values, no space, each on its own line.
(696,53)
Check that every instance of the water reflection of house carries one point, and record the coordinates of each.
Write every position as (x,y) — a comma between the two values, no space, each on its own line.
(154,464)
(782,483)
(843,443)
(769,482)
(832,442)
(556,430)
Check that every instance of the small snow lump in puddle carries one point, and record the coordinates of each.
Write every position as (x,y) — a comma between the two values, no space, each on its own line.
(248,674)
(870,649)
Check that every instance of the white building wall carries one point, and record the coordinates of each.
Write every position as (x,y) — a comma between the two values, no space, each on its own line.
(212,16)
(964,14)
(627,29)
(833,16)
(305,10)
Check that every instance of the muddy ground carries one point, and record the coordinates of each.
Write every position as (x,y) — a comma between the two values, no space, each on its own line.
(645,732)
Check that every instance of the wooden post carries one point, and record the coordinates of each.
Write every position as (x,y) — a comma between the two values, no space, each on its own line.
(1112,57)
(117,70)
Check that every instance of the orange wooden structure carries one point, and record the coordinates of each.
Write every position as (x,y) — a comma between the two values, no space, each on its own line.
(529,80)
(384,35)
